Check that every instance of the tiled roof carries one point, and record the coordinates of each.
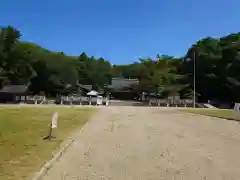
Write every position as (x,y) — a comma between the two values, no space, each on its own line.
(86,87)
(121,83)
(14,89)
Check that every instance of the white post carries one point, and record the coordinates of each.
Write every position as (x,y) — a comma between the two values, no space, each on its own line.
(106,102)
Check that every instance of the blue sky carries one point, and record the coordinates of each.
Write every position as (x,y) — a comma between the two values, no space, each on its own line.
(120,30)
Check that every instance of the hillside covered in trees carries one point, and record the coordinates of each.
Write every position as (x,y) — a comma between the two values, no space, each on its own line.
(51,73)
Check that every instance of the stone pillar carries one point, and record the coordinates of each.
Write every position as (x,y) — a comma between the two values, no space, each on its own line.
(107,101)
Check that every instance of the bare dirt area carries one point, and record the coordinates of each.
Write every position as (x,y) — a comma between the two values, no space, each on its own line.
(140,143)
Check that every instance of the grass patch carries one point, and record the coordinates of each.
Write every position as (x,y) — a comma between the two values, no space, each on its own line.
(22,148)
(220,113)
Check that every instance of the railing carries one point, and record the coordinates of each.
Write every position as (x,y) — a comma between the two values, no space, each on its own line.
(171,102)
(74,100)
(82,100)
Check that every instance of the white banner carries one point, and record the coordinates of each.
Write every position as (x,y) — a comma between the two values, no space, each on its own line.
(54,120)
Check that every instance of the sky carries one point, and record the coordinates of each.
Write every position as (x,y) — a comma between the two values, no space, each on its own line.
(121,31)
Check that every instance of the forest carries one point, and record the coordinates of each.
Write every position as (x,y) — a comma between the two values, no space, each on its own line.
(217,62)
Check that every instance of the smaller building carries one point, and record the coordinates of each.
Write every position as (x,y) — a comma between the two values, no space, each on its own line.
(13,93)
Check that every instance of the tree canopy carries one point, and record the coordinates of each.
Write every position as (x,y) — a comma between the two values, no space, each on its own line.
(217,63)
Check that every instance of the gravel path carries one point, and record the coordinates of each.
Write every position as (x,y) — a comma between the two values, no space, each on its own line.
(137,143)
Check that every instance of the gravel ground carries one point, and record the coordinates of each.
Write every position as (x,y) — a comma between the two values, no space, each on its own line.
(141,143)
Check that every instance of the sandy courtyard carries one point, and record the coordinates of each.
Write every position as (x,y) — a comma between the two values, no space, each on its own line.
(140,143)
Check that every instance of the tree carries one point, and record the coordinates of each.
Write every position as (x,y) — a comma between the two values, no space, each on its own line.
(16,67)
(8,38)
(92,71)
(217,69)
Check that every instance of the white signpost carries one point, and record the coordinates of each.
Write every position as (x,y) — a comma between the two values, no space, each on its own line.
(237,107)
(52,126)
(54,120)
